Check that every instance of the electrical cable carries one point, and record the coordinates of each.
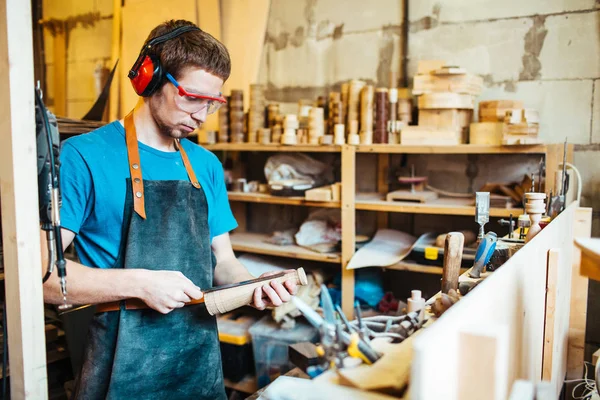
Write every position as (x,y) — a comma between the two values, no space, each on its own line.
(589,384)
(579,181)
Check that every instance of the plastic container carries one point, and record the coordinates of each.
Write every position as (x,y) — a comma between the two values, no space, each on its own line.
(270,344)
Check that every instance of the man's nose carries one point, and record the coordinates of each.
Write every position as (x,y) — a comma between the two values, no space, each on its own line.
(200,115)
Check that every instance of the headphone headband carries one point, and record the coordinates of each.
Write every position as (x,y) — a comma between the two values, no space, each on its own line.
(158,40)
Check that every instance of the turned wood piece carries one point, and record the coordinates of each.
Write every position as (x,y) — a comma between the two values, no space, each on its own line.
(453,249)
(535,208)
(226,298)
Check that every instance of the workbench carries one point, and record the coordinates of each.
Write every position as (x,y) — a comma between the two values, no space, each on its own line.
(525,321)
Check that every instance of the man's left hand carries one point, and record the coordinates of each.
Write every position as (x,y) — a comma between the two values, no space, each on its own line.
(273,294)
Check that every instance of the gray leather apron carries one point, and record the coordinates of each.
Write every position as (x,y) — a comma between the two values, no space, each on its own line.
(143,354)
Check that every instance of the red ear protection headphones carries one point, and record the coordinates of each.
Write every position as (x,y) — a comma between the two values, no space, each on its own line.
(147,74)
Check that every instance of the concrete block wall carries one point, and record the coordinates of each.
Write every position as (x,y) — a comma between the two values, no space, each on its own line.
(86,47)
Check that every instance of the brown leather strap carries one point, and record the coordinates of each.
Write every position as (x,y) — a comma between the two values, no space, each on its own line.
(132,304)
(135,167)
(188,165)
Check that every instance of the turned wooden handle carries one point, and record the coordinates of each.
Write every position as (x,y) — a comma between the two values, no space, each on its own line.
(453,249)
(224,299)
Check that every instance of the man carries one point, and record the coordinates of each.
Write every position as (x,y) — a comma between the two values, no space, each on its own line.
(148,209)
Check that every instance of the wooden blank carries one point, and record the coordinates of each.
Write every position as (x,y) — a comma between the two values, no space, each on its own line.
(489,133)
(446,100)
(445,118)
(222,300)
(453,248)
(590,257)
(406,195)
(424,135)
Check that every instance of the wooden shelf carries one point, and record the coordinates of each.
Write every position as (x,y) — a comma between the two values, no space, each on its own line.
(415,267)
(269,199)
(246,385)
(255,243)
(455,149)
(271,147)
(441,206)
(385,148)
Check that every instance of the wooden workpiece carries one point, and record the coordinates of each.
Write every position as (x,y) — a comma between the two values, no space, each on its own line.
(590,257)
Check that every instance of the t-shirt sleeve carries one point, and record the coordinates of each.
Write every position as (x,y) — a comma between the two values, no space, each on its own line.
(76,188)
(220,218)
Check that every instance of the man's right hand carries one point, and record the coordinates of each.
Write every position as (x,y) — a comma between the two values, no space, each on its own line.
(165,291)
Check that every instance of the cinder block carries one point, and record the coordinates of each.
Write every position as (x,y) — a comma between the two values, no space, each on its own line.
(596,114)
(493,49)
(320,17)
(324,62)
(564,107)
(572,47)
(475,10)
(587,164)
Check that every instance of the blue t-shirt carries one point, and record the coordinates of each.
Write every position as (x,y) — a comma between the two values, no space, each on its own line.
(93,173)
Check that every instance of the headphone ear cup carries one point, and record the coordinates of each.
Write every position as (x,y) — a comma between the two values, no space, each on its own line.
(148,76)
(157,77)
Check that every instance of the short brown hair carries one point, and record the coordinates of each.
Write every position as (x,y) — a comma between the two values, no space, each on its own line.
(194,48)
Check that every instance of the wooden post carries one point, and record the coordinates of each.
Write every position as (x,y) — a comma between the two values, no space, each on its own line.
(582,227)
(383,165)
(18,188)
(60,70)
(549,320)
(348,226)
(115,87)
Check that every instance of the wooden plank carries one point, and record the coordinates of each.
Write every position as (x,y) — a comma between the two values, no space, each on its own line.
(249,17)
(115,87)
(255,243)
(550,310)
(19,200)
(590,257)
(269,199)
(582,228)
(60,72)
(136,24)
(415,267)
(483,348)
(348,226)
(209,20)
(441,206)
(458,149)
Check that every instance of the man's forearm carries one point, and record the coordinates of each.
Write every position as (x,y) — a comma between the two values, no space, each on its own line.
(231,270)
(86,285)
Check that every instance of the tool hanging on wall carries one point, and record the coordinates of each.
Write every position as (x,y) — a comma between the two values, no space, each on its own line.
(49,192)
(482,212)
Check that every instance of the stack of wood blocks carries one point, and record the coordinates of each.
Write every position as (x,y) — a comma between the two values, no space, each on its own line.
(505,122)
(446,102)
(224,122)
(236,116)
(325,193)
(256,112)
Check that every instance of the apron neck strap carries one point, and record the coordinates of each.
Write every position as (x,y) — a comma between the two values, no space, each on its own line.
(135,167)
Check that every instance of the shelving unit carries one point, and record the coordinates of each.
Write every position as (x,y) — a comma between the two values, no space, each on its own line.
(351,201)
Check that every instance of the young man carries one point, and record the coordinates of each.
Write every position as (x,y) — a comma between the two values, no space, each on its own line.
(148,210)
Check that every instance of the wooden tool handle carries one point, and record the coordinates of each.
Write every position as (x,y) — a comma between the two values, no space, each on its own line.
(223,299)
(453,249)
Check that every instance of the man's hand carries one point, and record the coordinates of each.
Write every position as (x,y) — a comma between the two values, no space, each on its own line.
(165,291)
(274,294)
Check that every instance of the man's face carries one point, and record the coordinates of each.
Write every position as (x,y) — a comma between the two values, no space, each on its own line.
(171,120)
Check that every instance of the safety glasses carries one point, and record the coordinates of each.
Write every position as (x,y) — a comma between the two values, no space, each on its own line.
(196,102)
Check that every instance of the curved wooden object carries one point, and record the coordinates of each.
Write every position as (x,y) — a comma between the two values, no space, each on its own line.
(226,298)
